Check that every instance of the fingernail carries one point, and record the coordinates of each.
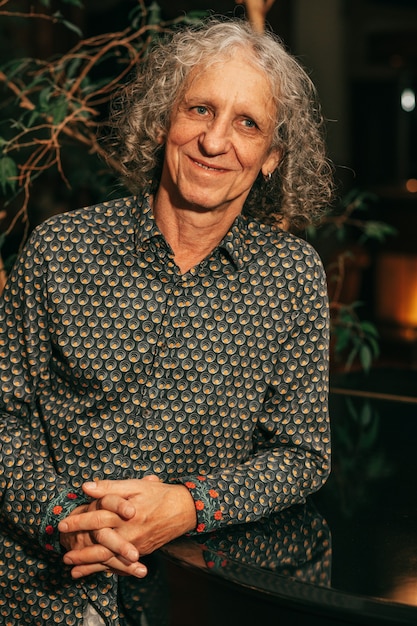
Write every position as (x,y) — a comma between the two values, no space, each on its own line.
(140,571)
(67,560)
(90,485)
(63,527)
(133,555)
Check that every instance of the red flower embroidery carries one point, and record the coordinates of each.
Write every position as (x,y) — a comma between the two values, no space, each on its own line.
(210,563)
(72,496)
(49,530)
(213,493)
(201,528)
(57,509)
(190,485)
(202,478)
(218,515)
(48,546)
(199,505)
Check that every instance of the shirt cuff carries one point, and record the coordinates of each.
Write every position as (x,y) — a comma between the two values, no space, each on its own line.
(59,508)
(207,504)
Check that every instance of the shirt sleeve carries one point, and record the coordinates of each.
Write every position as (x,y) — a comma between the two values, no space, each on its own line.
(33,496)
(291,442)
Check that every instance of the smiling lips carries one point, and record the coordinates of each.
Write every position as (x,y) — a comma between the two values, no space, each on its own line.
(209,168)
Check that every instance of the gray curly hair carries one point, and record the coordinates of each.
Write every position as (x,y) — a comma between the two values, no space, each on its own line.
(301,187)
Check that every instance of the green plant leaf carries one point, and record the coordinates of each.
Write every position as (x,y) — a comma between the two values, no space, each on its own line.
(8,173)
(154,14)
(32,118)
(343,337)
(73,27)
(44,96)
(369,328)
(195,16)
(72,67)
(365,357)
(59,109)
(351,357)
(374,345)
(378,230)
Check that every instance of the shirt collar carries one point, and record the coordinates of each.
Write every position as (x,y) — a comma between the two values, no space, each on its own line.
(144,222)
(233,244)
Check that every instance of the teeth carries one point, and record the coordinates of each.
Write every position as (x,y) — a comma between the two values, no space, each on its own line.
(205,167)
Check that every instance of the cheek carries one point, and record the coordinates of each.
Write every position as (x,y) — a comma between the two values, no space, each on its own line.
(182,132)
(252,159)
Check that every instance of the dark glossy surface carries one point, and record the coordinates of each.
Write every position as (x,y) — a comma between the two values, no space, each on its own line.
(348,556)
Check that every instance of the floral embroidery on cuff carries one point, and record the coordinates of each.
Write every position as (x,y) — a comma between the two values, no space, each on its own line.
(57,510)
(206,500)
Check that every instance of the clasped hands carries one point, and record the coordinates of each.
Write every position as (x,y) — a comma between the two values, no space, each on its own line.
(126,519)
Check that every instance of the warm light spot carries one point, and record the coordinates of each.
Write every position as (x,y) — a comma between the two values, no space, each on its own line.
(411,185)
(397,289)
(405,591)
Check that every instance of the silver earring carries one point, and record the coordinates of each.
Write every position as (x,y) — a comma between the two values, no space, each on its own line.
(268,177)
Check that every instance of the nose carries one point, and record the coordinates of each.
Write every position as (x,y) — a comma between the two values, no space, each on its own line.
(216,137)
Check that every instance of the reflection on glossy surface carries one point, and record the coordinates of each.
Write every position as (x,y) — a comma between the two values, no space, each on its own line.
(369,500)
(295,543)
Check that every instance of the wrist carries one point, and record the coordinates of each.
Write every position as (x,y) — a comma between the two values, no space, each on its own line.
(57,510)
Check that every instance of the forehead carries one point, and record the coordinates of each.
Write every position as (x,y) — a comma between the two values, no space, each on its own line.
(234,77)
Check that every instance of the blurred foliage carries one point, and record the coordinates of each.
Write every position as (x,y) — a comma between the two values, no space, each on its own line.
(348,227)
(359,457)
(53,109)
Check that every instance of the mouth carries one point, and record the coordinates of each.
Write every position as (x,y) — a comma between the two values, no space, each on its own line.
(208,168)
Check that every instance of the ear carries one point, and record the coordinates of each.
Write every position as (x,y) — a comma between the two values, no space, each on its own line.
(161,138)
(271,162)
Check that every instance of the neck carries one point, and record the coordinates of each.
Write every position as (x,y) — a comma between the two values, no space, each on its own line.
(191,233)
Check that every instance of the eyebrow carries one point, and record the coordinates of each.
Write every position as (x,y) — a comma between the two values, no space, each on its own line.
(202,100)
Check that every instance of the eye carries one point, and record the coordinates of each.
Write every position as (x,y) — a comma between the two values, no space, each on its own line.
(200,109)
(248,123)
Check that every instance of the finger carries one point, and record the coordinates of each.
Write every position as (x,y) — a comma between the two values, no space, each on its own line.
(87,555)
(100,488)
(113,565)
(107,542)
(116,504)
(90,520)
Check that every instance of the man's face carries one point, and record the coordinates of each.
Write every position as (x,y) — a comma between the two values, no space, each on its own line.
(219,137)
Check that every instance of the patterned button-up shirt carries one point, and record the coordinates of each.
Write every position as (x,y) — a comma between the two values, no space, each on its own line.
(114,365)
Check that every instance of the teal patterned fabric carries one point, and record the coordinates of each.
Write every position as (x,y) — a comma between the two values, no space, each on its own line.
(114,365)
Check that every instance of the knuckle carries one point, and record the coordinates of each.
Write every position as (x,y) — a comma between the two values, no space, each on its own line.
(99,536)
